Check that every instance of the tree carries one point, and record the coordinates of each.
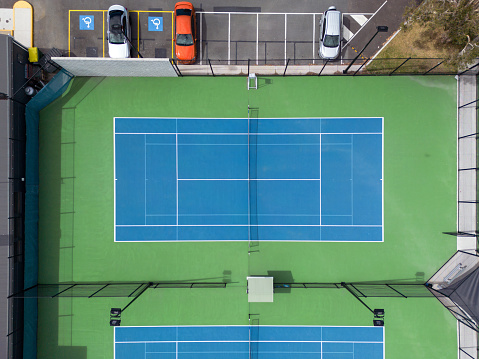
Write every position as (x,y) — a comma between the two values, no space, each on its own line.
(459,22)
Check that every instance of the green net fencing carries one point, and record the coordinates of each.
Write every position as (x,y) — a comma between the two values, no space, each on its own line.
(47,95)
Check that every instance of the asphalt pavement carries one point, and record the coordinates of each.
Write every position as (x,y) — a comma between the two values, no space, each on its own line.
(267,31)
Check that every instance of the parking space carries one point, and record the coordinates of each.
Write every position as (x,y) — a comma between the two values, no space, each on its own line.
(271,33)
(151,33)
(243,36)
(223,36)
(266,38)
(302,39)
(213,35)
(87,33)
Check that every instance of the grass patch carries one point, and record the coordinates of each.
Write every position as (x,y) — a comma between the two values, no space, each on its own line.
(424,45)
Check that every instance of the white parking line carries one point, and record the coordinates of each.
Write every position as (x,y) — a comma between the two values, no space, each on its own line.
(285,35)
(201,38)
(257,38)
(229,37)
(347,34)
(352,37)
(314,34)
(360,19)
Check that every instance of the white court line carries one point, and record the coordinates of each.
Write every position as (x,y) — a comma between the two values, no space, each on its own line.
(243,325)
(245,118)
(258,215)
(320,183)
(145,178)
(177,181)
(114,180)
(382,178)
(352,180)
(252,134)
(363,25)
(249,179)
(245,341)
(252,225)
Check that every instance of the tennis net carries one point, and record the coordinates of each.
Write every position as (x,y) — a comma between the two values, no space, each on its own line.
(253,338)
(252,181)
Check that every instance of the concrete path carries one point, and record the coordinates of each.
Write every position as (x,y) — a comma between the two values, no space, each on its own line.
(466,190)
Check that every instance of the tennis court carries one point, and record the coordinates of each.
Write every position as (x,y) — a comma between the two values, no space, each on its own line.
(240,179)
(246,342)
(299,173)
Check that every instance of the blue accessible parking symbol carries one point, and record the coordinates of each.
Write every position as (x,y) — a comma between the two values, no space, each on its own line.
(155,23)
(87,22)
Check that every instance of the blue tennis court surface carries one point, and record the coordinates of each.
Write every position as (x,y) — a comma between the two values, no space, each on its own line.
(309,179)
(249,342)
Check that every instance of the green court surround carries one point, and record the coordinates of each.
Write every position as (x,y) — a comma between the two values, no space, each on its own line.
(76,213)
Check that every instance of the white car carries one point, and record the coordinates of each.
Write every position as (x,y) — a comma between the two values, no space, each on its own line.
(330,34)
(119,32)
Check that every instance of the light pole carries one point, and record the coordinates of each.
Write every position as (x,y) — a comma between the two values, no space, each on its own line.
(378,30)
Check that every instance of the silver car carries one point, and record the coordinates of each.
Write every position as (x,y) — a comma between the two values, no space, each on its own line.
(330,34)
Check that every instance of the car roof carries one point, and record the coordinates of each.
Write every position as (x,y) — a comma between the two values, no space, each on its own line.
(183,24)
(333,22)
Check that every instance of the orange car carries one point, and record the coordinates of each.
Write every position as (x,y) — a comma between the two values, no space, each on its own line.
(185,32)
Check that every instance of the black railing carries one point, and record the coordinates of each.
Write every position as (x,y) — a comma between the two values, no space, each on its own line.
(319,67)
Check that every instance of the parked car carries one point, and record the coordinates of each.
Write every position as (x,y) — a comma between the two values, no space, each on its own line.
(119,32)
(185,32)
(330,34)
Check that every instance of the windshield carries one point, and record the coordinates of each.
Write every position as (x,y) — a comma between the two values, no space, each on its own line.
(116,30)
(180,12)
(184,40)
(331,41)
(116,35)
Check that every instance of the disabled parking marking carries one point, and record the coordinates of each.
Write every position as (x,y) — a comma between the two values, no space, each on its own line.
(87,22)
(84,25)
(138,12)
(155,23)
(85,11)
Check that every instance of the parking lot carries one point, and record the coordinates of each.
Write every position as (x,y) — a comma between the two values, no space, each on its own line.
(151,33)
(227,37)
(266,38)
(56,24)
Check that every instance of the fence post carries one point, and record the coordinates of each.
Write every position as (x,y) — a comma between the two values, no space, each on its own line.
(211,67)
(284,73)
(320,72)
(428,71)
(470,68)
(176,68)
(399,66)
(469,103)
(360,67)
(248,68)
